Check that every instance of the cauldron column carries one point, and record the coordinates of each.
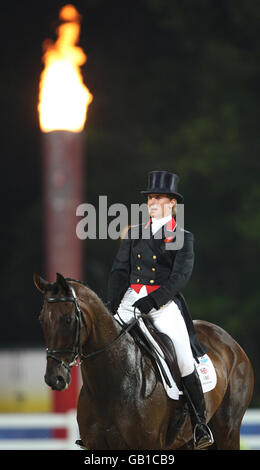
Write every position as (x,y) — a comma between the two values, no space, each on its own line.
(63,173)
(63,104)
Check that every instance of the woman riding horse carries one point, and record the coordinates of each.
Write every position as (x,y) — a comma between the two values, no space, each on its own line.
(147,277)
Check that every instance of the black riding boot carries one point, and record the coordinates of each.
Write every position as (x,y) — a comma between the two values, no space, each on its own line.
(192,390)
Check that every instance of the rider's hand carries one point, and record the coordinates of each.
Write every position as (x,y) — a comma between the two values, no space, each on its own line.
(145,305)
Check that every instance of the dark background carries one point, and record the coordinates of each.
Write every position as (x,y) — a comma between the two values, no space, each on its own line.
(176,87)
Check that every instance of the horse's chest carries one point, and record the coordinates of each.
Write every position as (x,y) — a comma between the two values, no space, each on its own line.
(103,436)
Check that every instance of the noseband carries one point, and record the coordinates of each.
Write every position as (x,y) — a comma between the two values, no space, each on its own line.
(77,347)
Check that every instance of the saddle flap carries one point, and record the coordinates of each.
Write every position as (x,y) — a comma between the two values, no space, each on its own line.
(164,343)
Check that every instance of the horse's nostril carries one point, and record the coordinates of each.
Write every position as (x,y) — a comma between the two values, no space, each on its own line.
(60,382)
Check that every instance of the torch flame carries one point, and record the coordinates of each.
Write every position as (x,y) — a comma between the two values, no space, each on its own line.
(63,97)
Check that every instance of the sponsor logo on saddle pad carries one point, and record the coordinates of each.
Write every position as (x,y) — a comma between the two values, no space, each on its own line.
(204,359)
(207,373)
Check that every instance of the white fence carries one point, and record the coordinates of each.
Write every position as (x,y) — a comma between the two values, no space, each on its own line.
(250,431)
(250,435)
(46,421)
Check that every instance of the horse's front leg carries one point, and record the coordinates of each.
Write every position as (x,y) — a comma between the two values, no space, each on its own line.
(85,420)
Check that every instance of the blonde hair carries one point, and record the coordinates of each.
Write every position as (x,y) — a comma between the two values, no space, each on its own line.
(174,209)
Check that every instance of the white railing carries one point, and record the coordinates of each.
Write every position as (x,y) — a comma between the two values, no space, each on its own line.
(40,421)
(252,440)
(68,421)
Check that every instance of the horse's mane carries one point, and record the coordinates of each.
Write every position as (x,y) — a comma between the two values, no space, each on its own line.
(95,297)
(76,280)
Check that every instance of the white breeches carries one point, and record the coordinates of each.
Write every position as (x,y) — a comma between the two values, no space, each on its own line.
(168,320)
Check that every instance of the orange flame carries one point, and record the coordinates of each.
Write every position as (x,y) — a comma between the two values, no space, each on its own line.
(63,97)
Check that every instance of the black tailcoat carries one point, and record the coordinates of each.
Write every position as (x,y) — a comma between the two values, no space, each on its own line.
(143,259)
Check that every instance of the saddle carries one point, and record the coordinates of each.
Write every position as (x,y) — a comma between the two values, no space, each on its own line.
(165,344)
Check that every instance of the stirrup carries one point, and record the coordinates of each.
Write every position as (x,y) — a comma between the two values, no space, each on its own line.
(206,440)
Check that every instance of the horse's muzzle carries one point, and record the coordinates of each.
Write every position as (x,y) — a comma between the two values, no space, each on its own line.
(56,383)
(58,379)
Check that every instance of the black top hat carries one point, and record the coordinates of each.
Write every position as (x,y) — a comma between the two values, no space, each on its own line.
(163,182)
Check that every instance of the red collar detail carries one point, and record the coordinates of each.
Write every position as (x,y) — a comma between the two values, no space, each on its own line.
(171,224)
(148,223)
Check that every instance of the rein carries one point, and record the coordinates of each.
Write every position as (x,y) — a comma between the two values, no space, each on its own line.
(77,346)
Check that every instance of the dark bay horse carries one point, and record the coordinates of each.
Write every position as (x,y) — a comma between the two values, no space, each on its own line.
(122,403)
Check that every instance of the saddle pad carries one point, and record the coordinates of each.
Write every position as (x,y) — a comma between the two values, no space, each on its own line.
(205,368)
(207,373)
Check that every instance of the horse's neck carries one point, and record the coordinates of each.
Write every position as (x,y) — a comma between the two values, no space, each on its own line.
(104,329)
(102,323)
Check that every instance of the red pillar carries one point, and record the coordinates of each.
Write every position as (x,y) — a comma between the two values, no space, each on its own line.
(63,174)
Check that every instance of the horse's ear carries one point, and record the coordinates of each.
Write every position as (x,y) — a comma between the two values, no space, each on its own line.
(62,282)
(40,283)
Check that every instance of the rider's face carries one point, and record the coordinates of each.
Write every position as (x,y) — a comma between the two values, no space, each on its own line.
(160,205)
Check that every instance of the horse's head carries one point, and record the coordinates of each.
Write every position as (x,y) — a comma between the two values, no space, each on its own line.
(61,320)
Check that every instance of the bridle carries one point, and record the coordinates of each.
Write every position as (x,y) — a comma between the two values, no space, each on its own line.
(77,346)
